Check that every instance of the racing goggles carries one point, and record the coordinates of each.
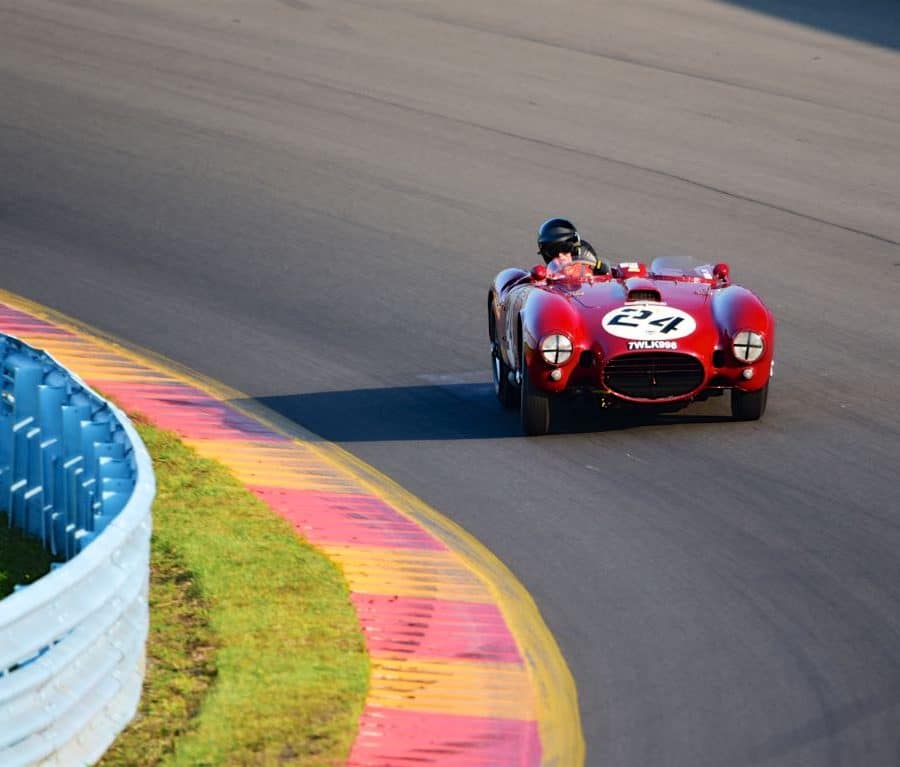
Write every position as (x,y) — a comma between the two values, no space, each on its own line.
(553,249)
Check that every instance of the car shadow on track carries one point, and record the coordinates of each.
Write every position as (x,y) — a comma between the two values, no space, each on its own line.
(872,21)
(448,412)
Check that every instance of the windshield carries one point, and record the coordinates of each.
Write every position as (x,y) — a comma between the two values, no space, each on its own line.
(678,266)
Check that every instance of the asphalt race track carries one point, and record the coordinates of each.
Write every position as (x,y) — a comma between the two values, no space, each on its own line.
(307,200)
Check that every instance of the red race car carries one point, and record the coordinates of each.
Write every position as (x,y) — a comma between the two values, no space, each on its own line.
(654,338)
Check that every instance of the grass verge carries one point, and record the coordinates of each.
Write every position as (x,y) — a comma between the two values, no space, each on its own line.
(255,655)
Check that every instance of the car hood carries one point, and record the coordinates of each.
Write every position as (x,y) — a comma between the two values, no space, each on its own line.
(641,313)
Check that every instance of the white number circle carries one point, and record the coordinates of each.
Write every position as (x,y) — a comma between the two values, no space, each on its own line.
(648,323)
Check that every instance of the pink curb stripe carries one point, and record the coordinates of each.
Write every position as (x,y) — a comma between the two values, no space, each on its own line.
(392,737)
(335,518)
(16,323)
(189,412)
(434,628)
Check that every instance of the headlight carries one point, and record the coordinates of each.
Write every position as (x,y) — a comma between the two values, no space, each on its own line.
(556,349)
(748,346)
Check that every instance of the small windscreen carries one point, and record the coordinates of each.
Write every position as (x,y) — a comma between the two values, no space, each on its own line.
(681,266)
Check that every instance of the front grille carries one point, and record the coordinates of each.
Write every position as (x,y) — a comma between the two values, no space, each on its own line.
(653,375)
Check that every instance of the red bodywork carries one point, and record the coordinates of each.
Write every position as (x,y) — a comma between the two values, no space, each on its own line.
(661,337)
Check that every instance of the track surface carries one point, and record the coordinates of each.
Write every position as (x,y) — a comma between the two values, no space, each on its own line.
(307,200)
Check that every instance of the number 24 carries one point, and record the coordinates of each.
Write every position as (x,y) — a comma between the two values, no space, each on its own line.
(665,324)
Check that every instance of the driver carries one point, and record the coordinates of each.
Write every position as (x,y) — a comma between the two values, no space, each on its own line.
(559,244)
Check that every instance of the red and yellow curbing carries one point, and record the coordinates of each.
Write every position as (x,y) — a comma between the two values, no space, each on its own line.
(464,671)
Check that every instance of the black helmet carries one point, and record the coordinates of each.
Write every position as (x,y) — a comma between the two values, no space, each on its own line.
(555,236)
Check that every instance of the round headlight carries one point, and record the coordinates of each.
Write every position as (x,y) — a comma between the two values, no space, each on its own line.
(748,346)
(556,349)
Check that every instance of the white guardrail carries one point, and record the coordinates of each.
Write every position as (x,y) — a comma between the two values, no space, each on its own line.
(75,475)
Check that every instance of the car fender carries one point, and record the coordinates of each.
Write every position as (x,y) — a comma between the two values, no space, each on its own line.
(736,308)
(543,313)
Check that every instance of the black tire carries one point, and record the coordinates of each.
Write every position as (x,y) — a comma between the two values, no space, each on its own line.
(749,405)
(506,392)
(534,406)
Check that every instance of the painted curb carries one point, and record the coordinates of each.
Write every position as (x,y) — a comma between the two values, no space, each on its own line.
(464,670)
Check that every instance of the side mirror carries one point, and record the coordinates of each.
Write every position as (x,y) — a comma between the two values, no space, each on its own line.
(538,273)
(722,273)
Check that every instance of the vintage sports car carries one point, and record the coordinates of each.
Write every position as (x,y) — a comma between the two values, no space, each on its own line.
(653,338)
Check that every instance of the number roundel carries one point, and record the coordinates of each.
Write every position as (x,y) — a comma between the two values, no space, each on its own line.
(648,323)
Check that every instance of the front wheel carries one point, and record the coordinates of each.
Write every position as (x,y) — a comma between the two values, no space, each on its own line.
(534,407)
(749,405)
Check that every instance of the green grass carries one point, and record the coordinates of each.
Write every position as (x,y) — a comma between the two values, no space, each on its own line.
(255,655)
(22,559)
(181,664)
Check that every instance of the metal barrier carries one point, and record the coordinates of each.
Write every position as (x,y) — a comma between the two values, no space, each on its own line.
(75,475)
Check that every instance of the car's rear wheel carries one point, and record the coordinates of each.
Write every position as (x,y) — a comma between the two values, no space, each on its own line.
(749,405)
(506,392)
(534,407)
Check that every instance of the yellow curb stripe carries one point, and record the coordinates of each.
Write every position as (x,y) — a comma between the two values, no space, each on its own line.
(452,687)
(91,361)
(288,466)
(408,573)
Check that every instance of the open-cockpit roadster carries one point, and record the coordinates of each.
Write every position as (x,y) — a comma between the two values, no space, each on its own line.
(658,337)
